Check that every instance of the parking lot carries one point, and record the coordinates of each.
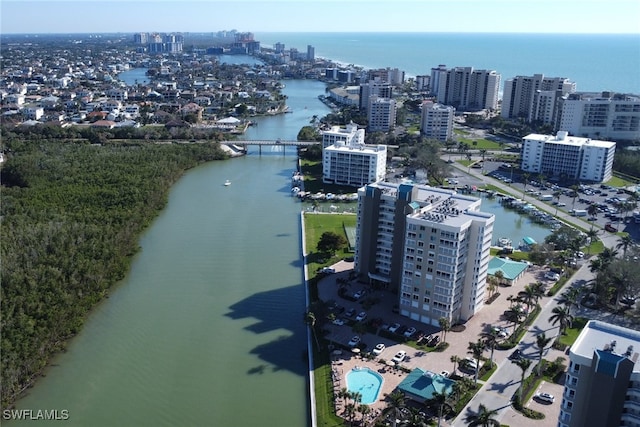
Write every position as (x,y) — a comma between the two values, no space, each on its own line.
(604,197)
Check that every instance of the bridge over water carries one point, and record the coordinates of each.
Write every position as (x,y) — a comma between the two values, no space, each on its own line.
(269,142)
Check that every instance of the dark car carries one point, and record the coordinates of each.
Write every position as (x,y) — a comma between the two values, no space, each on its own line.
(351,312)
(516,355)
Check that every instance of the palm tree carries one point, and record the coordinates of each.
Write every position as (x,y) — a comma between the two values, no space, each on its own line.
(527,296)
(499,275)
(592,234)
(483,418)
(364,410)
(556,195)
(445,325)
(455,360)
(490,341)
(569,298)
(439,400)
(310,320)
(574,189)
(396,403)
(415,419)
(476,349)
(524,365)
(624,243)
(592,210)
(350,412)
(541,342)
(607,256)
(562,316)
(525,182)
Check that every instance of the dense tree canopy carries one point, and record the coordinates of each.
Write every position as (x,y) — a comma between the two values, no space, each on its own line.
(71,217)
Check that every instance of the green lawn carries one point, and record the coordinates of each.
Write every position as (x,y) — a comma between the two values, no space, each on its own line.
(594,248)
(312,172)
(571,334)
(315,225)
(619,182)
(463,136)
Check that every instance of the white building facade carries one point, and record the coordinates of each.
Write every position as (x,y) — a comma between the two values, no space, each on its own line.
(568,157)
(381,114)
(534,97)
(353,164)
(466,88)
(602,115)
(348,135)
(437,121)
(430,244)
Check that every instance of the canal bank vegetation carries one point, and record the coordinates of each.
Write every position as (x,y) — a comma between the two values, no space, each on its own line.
(72,214)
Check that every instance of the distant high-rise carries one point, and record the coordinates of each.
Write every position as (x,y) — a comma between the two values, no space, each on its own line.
(311,53)
(377,87)
(465,88)
(381,114)
(437,121)
(568,157)
(279,47)
(602,385)
(534,98)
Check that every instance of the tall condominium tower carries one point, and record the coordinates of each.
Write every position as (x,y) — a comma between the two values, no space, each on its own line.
(381,114)
(466,88)
(437,121)
(602,386)
(430,244)
(534,98)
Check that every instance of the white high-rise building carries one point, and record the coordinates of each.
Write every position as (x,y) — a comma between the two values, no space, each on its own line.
(437,121)
(466,88)
(381,114)
(568,157)
(602,385)
(430,244)
(601,115)
(353,163)
(375,87)
(534,98)
(349,135)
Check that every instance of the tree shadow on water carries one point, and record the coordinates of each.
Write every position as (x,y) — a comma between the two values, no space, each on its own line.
(276,310)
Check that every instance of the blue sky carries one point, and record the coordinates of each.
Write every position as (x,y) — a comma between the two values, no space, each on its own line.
(528,16)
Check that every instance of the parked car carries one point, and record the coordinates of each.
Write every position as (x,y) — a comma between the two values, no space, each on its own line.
(470,363)
(501,332)
(435,339)
(360,294)
(399,356)
(552,276)
(351,312)
(361,316)
(445,374)
(409,332)
(378,349)
(328,270)
(394,327)
(516,355)
(354,341)
(338,321)
(545,397)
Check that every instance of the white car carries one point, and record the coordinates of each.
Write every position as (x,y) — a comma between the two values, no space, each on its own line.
(552,276)
(378,349)
(328,270)
(354,341)
(501,332)
(361,316)
(338,321)
(471,363)
(445,374)
(399,357)
(545,397)
(409,332)
(394,327)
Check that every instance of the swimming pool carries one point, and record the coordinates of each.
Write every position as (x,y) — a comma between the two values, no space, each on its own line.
(366,382)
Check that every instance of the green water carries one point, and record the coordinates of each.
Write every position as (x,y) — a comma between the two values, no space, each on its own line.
(207,329)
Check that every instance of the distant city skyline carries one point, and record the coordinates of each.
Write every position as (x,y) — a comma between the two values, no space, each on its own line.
(471,16)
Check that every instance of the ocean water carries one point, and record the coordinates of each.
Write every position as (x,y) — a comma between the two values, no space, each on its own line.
(595,62)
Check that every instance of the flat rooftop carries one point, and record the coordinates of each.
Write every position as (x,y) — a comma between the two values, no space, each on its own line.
(598,335)
(569,140)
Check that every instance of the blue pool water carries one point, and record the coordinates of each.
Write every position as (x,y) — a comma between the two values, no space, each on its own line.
(366,382)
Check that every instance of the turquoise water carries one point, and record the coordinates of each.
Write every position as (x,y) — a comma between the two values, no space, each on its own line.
(366,382)
(595,62)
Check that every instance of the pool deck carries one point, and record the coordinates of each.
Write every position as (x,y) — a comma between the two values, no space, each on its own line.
(436,362)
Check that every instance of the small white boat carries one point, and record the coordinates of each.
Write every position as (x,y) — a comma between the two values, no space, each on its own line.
(227,183)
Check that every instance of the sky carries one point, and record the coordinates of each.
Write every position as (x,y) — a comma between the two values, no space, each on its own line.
(502,16)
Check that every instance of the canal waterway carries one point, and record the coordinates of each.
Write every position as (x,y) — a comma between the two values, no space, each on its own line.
(207,329)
